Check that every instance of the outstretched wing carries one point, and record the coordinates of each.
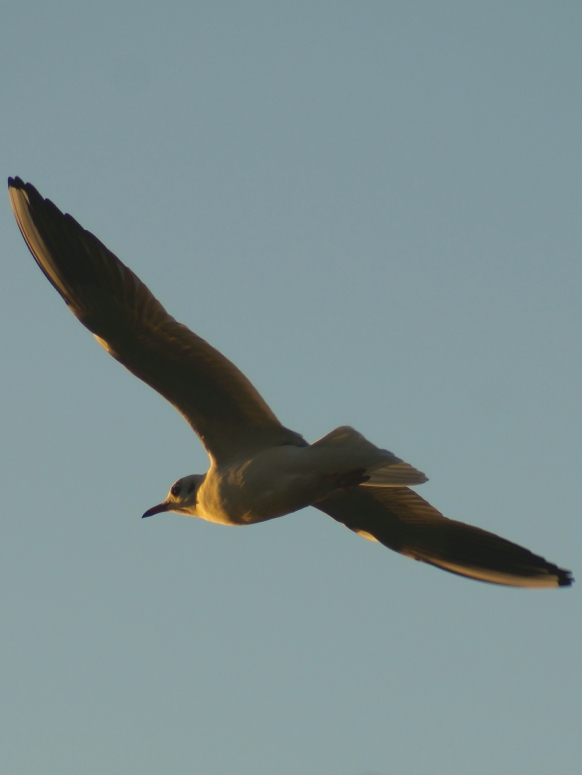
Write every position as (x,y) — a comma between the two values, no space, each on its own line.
(401,520)
(218,401)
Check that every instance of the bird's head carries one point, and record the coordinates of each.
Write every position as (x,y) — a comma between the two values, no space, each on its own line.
(182,497)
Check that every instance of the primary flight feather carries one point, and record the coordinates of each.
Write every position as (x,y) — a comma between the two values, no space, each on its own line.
(258,468)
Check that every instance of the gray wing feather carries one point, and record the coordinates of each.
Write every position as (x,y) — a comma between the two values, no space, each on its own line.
(218,401)
(403,521)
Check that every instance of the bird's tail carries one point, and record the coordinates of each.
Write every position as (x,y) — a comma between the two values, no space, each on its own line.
(383,468)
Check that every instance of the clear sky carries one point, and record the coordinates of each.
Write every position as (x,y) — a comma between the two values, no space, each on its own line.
(373,209)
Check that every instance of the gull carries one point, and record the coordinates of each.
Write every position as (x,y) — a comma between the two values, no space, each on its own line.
(259,469)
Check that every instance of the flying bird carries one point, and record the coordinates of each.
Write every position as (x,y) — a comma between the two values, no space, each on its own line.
(258,468)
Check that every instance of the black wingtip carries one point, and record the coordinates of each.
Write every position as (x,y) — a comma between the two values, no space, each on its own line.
(565,578)
(33,196)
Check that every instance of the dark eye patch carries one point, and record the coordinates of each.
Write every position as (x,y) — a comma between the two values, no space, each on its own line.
(191,488)
(176,490)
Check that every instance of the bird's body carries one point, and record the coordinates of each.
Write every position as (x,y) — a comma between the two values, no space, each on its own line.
(270,484)
(279,480)
(259,469)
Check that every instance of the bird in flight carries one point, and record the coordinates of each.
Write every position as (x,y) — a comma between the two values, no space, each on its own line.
(258,468)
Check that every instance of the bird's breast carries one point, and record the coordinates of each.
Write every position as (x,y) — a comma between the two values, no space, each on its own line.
(275,482)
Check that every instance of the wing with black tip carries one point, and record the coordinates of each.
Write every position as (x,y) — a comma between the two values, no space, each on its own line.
(403,521)
(218,401)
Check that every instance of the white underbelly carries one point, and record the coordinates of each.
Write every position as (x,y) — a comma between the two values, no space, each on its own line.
(275,482)
(244,496)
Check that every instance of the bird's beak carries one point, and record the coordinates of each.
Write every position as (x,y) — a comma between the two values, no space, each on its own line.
(156,510)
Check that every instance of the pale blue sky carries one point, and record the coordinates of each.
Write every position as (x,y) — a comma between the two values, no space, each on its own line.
(374,209)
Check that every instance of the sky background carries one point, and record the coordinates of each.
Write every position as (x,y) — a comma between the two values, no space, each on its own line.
(373,209)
